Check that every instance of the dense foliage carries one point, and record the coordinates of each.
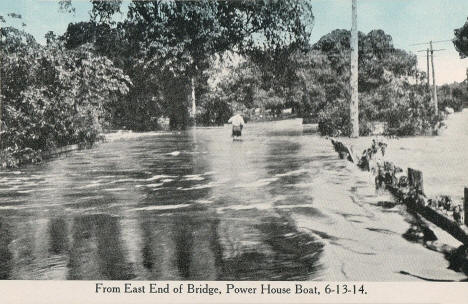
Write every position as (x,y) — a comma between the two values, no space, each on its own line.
(458,93)
(453,96)
(223,56)
(461,40)
(52,96)
(315,83)
(173,44)
(243,86)
(390,87)
(174,49)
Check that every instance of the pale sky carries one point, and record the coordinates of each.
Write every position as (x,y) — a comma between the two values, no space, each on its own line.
(407,21)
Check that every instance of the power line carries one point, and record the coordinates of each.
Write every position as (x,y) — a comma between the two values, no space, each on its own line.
(432,50)
(381,50)
(426,43)
(423,56)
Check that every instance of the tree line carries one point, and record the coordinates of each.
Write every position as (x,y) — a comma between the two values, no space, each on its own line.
(198,62)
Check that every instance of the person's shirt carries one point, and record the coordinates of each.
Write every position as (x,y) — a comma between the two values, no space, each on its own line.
(236,120)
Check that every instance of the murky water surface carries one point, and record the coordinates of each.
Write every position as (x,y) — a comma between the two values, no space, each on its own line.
(443,159)
(278,205)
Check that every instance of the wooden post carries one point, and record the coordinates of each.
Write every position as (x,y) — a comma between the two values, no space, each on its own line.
(465,206)
(415,180)
(354,104)
(434,81)
(428,71)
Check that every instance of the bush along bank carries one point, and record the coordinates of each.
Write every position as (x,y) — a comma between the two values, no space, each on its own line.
(11,158)
(408,189)
(52,97)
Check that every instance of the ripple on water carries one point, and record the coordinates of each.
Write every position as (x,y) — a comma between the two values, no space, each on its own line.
(193,177)
(156,185)
(160,176)
(163,207)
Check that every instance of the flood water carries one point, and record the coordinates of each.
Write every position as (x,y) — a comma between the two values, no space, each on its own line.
(443,159)
(279,205)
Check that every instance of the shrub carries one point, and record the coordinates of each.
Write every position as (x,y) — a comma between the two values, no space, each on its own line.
(52,97)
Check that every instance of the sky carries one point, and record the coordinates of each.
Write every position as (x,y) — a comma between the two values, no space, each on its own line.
(407,21)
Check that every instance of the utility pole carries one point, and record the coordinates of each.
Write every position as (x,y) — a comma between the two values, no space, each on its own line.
(433,80)
(354,105)
(431,51)
(428,77)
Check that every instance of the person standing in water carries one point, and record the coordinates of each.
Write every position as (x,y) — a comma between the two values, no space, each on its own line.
(237,125)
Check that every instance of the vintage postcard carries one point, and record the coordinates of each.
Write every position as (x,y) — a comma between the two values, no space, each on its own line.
(244,151)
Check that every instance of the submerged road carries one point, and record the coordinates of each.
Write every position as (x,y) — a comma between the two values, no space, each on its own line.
(279,205)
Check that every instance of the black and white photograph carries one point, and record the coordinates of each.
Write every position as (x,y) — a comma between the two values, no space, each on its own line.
(234,140)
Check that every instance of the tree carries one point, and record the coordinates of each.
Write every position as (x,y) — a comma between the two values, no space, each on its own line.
(377,57)
(182,36)
(452,95)
(245,85)
(318,84)
(387,92)
(461,40)
(53,96)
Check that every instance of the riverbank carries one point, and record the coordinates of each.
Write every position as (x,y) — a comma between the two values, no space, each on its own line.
(10,159)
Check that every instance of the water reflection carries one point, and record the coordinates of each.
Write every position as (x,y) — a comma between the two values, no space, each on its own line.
(5,254)
(194,255)
(58,240)
(96,251)
(179,248)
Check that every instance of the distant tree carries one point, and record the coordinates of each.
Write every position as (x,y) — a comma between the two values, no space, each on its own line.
(386,86)
(452,95)
(461,40)
(318,83)
(377,57)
